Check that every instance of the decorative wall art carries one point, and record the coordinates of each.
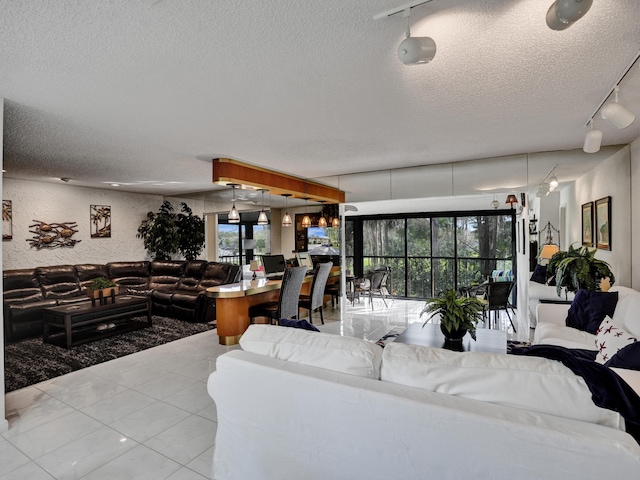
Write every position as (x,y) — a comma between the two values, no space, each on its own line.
(53,235)
(587,224)
(603,223)
(7,217)
(100,219)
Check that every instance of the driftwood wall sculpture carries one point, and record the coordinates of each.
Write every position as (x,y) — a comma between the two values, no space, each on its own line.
(53,235)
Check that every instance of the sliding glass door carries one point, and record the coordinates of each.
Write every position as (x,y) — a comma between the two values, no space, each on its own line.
(431,253)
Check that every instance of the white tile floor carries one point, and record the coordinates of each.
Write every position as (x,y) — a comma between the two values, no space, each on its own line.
(147,415)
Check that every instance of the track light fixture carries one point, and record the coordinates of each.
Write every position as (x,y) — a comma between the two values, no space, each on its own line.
(546,187)
(234,216)
(286,219)
(412,50)
(415,50)
(592,140)
(616,114)
(262,218)
(564,13)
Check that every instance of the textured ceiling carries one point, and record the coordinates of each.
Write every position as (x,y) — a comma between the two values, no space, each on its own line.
(145,92)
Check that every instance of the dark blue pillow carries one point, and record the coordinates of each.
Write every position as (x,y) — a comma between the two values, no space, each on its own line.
(539,274)
(588,309)
(284,322)
(627,357)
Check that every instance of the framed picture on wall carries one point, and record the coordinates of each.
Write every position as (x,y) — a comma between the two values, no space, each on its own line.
(7,220)
(100,220)
(587,224)
(602,229)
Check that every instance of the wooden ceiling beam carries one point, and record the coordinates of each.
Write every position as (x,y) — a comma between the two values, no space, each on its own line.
(226,170)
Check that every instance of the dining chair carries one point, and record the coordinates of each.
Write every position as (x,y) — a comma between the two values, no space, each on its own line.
(315,299)
(379,286)
(498,294)
(287,304)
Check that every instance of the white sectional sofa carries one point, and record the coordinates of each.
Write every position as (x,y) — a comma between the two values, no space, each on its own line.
(305,405)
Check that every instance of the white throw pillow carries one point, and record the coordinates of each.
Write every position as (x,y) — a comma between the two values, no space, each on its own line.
(610,339)
(332,352)
(530,383)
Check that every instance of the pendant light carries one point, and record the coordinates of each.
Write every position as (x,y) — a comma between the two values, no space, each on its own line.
(306,221)
(234,216)
(335,223)
(262,218)
(322,222)
(286,219)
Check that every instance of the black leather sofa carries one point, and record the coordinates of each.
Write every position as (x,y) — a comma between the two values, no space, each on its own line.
(176,289)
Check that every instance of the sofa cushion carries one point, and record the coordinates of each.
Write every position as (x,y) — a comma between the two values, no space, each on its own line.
(165,274)
(627,357)
(588,309)
(539,274)
(89,271)
(349,355)
(547,333)
(219,273)
(610,339)
(58,282)
(193,272)
(535,384)
(627,314)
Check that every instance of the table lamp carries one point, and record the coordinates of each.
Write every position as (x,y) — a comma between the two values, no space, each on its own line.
(253,266)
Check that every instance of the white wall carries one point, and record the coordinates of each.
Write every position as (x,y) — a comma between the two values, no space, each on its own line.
(4,425)
(611,178)
(635,214)
(52,203)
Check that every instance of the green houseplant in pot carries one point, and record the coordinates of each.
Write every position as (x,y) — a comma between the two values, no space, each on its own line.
(102,284)
(458,315)
(577,269)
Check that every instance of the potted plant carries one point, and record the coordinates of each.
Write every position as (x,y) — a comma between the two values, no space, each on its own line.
(578,269)
(458,315)
(166,233)
(190,233)
(104,285)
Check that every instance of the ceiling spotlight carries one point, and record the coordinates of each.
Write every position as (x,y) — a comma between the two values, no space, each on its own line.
(592,140)
(415,50)
(553,183)
(616,114)
(564,13)
(65,179)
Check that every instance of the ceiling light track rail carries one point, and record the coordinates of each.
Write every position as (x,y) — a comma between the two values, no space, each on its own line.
(613,89)
(400,9)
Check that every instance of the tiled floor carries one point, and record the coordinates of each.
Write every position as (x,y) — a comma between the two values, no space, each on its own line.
(147,415)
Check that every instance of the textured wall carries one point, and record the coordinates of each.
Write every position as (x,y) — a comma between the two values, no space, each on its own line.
(65,203)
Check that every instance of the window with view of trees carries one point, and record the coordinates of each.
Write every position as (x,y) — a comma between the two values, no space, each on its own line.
(429,254)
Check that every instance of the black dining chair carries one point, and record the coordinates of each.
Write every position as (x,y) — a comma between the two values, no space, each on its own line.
(315,299)
(287,304)
(498,294)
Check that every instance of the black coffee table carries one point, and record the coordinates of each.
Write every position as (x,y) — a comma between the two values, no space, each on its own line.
(69,325)
(488,340)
